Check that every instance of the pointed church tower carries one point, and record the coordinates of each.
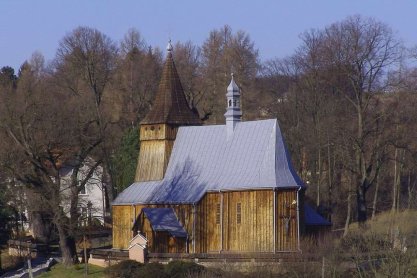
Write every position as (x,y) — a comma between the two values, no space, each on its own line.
(159,128)
(234,113)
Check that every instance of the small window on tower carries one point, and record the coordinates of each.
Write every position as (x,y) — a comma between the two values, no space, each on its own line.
(230,103)
(238,213)
(234,103)
(218,213)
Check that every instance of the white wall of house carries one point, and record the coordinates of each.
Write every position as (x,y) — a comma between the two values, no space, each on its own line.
(94,192)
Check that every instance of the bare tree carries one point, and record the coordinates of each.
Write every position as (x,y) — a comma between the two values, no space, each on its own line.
(187,60)
(59,116)
(334,108)
(362,50)
(84,65)
(136,78)
(42,128)
(223,53)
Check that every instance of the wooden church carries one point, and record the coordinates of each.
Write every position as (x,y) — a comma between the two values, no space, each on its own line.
(209,188)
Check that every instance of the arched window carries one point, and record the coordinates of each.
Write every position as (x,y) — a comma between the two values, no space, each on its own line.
(230,103)
(234,103)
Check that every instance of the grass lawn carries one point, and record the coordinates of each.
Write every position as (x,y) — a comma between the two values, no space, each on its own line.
(60,271)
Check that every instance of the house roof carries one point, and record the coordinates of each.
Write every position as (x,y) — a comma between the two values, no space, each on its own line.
(203,159)
(170,105)
(164,220)
(313,218)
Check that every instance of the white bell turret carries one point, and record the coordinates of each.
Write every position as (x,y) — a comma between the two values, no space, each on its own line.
(234,113)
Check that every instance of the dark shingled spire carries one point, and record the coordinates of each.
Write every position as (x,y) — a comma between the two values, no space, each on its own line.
(170,105)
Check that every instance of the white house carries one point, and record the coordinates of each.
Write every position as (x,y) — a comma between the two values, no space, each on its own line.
(92,196)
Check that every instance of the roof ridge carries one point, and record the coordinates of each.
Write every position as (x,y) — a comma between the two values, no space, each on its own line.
(223,125)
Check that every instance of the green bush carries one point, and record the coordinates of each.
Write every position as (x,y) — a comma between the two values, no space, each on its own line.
(151,270)
(124,269)
(180,269)
(175,269)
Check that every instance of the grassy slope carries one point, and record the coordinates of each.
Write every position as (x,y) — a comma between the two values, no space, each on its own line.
(387,222)
(60,271)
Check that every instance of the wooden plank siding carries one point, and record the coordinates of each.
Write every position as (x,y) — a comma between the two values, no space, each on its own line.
(254,233)
(156,143)
(207,230)
(286,218)
(255,230)
(124,218)
(158,132)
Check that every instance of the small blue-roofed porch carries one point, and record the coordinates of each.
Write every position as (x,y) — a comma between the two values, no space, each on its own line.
(163,230)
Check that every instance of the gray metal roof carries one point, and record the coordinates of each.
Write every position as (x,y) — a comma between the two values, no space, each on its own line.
(203,160)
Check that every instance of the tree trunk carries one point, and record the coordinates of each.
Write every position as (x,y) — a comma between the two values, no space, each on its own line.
(375,198)
(349,209)
(360,162)
(108,181)
(74,215)
(319,177)
(67,246)
(330,181)
(41,227)
(361,203)
(395,183)
(410,189)
(400,171)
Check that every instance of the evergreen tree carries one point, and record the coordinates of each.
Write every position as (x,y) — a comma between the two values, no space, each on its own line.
(125,159)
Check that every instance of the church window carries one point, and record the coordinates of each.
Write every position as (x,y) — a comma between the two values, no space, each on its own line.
(218,213)
(238,213)
(230,103)
(234,103)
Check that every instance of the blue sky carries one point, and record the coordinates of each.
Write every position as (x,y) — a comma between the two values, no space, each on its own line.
(28,26)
